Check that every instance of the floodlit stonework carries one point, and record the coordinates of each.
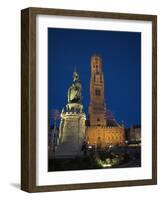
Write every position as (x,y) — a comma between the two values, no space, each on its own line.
(102,137)
(97,107)
(101,131)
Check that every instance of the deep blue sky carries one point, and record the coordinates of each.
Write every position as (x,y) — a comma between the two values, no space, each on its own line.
(121,55)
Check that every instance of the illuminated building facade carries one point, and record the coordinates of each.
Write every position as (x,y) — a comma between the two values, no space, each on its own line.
(135,134)
(102,130)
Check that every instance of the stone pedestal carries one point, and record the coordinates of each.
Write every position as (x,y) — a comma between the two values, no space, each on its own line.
(71,131)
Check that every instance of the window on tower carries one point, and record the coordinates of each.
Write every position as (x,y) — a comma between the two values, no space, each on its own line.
(97,92)
(94,78)
(97,71)
(101,79)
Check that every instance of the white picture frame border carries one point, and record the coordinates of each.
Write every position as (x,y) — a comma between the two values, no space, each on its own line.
(43,177)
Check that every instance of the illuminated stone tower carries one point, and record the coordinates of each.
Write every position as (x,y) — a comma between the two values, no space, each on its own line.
(97,107)
(102,130)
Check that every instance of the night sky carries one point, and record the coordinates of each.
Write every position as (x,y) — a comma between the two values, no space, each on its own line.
(121,56)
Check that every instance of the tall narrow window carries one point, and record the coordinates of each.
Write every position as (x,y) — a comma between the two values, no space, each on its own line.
(97,92)
(94,78)
(101,79)
(97,70)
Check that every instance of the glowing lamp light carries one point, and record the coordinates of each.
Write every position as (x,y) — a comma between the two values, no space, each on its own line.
(106,165)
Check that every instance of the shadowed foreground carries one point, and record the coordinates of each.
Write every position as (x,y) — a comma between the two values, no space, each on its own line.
(122,157)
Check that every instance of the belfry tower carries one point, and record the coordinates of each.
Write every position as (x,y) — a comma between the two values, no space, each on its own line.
(97,108)
(102,130)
